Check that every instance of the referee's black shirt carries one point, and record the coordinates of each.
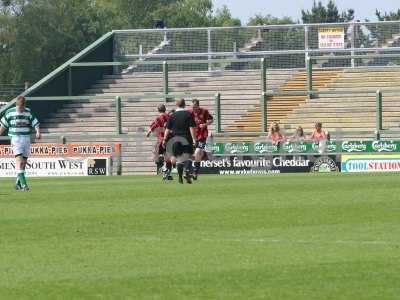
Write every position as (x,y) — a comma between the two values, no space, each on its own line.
(180,123)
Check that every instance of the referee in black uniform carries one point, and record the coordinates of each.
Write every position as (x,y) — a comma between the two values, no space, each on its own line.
(180,138)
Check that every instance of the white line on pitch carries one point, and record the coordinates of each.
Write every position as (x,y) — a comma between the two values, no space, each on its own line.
(267,241)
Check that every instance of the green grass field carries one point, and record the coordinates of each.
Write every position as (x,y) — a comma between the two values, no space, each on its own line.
(308,237)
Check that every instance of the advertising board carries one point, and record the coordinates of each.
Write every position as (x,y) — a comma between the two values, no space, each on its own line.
(370,163)
(60,160)
(264,165)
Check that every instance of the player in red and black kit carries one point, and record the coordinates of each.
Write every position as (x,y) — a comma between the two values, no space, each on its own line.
(202,119)
(158,127)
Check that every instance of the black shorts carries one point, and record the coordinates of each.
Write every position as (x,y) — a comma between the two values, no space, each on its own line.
(201,144)
(179,149)
(161,149)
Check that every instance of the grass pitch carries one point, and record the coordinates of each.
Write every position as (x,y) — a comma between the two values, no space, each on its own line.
(308,237)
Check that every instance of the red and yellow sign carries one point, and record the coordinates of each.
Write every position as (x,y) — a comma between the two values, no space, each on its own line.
(65,150)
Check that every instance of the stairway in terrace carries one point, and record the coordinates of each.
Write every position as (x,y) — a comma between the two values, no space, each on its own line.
(280,107)
(240,91)
(351,112)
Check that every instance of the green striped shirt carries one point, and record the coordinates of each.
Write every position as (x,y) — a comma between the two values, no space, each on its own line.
(19,123)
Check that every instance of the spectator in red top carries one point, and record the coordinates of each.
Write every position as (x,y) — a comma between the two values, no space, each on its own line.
(158,127)
(202,119)
(319,134)
(274,133)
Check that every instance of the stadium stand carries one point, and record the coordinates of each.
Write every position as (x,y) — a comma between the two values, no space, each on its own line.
(240,91)
(239,105)
(340,113)
(280,107)
(349,111)
(206,61)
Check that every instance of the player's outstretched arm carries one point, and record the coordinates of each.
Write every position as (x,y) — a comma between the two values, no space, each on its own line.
(148,133)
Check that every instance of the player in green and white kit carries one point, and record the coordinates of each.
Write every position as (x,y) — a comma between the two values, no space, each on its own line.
(19,122)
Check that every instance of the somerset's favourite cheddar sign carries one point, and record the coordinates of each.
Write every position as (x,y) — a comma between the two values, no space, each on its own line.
(266,157)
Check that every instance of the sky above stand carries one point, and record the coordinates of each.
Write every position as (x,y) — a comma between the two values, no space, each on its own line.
(244,9)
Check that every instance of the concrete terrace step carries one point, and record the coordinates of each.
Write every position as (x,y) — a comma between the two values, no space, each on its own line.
(195,88)
(139,83)
(330,127)
(332,98)
(344,118)
(344,121)
(333,106)
(157,99)
(151,82)
(226,92)
(354,89)
(142,87)
(83,130)
(362,85)
(275,72)
(357,95)
(370,74)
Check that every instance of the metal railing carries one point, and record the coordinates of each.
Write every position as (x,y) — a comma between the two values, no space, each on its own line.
(295,41)
(264,93)
(261,64)
(119,109)
(217,108)
(378,111)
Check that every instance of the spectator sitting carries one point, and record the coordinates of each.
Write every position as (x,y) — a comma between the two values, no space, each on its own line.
(319,134)
(298,135)
(274,133)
